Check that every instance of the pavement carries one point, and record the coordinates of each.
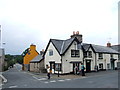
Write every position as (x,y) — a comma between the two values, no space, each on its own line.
(70,76)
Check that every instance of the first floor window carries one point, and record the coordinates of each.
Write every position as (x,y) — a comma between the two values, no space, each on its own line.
(75,53)
(118,56)
(58,66)
(50,52)
(100,56)
(90,54)
(111,55)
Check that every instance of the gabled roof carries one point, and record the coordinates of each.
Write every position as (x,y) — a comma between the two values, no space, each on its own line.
(116,47)
(85,46)
(103,49)
(98,48)
(37,59)
(62,45)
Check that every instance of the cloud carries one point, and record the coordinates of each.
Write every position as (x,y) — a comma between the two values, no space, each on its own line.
(36,21)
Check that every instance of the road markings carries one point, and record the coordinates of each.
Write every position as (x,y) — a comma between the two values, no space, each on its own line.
(61,80)
(53,81)
(68,79)
(42,79)
(35,77)
(46,82)
(13,86)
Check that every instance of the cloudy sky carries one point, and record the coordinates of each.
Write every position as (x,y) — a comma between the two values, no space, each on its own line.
(36,21)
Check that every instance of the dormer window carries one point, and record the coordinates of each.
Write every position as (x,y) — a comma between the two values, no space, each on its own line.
(90,54)
(50,52)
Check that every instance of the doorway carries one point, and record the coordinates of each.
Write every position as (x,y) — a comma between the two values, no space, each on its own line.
(52,67)
(88,65)
(112,65)
(75,65)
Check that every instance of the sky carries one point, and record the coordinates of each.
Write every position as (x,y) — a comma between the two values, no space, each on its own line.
(24,22)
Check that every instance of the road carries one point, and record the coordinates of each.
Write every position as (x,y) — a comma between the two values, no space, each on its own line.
(20,79)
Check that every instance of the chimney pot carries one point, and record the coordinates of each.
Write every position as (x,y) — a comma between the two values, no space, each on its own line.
(73,32)
(108,44)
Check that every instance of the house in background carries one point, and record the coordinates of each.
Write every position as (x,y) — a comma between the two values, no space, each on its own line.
(31,53)
(37,63)
(101,56)
(2,57)
(117,48)
(65,55)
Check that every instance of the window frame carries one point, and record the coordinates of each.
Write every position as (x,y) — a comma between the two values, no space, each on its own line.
(75,53)
(100,55)
(89,54)
(56,67)
(50,52)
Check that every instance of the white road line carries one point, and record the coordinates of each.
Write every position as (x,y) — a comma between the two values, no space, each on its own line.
(68,79)
(42,79)
(13,86)
(46,82)
(35,77)
(61,80)
(53,81)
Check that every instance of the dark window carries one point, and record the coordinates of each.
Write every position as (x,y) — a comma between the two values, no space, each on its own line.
(100,56)
(75,53)
(111,55)
(58,67)
(118,56)
(90,54)
(85,54)
(50,52)
(101,66)
(28,53)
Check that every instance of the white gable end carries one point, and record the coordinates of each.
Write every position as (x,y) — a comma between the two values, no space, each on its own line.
(54,58)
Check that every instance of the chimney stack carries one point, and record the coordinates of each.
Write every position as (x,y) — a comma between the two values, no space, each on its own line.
(73,32)
(77,35)
(108,44)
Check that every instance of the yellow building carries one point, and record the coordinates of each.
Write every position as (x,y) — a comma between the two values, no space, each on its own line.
(32,53)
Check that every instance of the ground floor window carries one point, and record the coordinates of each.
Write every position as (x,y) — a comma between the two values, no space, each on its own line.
(101,66)
(58,66)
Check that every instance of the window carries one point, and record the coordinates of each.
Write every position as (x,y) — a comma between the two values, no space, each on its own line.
(118,56)
(75,53)
(111,55)
(90,54)
(101,66)
(50,52)
(28,53)
(58,67)
(85,54)
(100,56)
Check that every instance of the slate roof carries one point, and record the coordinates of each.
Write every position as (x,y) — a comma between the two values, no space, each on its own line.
(99,49)
(116,47)
(62,45)
(103,49)
(85,46)
(37,59)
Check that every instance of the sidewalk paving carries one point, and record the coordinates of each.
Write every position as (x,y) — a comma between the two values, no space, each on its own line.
(71,76)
